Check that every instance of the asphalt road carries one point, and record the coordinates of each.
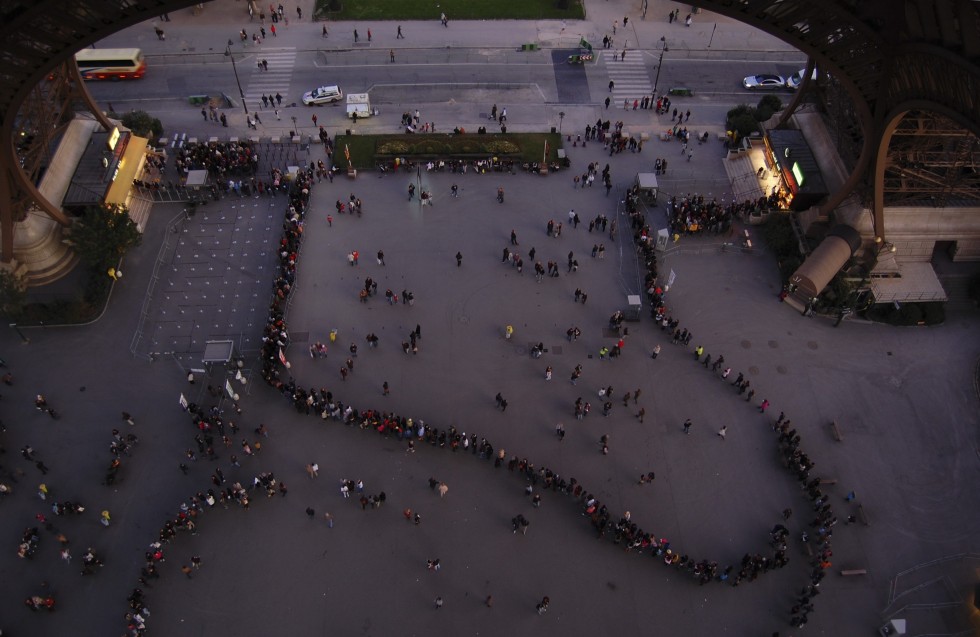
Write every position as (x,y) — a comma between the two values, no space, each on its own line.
(718,78)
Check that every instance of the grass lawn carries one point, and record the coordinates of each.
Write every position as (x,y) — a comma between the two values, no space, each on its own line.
(527,147)
(454,10)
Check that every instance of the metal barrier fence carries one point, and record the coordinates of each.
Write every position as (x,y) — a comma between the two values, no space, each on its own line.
(168,247)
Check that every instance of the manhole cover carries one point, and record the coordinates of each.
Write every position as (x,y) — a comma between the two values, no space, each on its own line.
(774,344)
(812,344)
(747,344)
(754,370)
(780,369)
(464,319)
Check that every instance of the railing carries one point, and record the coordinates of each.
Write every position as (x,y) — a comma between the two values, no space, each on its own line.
(174,228)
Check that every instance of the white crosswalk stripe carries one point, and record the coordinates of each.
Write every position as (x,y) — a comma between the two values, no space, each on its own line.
(630,78)
(276,80)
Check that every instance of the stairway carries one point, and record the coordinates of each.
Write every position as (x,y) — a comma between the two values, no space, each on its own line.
(742,177)
(139,211)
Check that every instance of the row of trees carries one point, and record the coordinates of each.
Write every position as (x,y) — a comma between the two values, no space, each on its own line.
(745,119)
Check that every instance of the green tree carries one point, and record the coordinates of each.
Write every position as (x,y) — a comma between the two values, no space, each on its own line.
(771,103)
(744,124)
(102,236)
(12,294)
(741,109)
(141,123)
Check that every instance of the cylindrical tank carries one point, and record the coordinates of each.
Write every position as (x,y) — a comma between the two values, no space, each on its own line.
(838,246)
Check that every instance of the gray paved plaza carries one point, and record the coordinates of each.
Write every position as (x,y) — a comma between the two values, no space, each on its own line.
(905,400)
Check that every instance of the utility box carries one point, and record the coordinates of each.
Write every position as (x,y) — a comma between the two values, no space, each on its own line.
(647,187)
(633,307)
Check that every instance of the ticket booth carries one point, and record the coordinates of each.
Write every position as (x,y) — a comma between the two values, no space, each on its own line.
(647,187)
(634,306)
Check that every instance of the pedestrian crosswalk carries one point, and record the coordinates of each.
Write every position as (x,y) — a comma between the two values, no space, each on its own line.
(276,79)
(629,76)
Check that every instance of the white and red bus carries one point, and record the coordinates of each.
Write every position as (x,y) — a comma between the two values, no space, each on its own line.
(111,64)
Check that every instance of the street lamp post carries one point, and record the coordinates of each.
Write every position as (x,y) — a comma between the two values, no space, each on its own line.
(234,68)
(561,118)
(660,65)
(21,334)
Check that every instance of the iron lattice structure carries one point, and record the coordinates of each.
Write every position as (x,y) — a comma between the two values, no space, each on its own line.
(931,161)
(40,88)
(890,56)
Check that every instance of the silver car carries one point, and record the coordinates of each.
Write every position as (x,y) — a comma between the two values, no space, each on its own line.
(764,82)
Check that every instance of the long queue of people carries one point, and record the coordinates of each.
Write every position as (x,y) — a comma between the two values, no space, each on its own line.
(794,459)
(211,426)
(323,404)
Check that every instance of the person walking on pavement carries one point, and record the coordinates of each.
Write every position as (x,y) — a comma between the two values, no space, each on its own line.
(542,606)
(723,432)
(459,259)
(687,426)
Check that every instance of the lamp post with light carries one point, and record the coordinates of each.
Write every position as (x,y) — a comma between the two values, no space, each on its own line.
(234,68)
(660,65)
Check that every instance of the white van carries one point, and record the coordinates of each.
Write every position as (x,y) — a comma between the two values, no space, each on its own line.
(323,95)
(359,105)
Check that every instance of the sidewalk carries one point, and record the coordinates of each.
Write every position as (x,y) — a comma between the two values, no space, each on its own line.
(222,20)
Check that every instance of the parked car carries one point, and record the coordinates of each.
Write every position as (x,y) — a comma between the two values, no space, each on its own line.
(764,82)
(794,80)
(323,95)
